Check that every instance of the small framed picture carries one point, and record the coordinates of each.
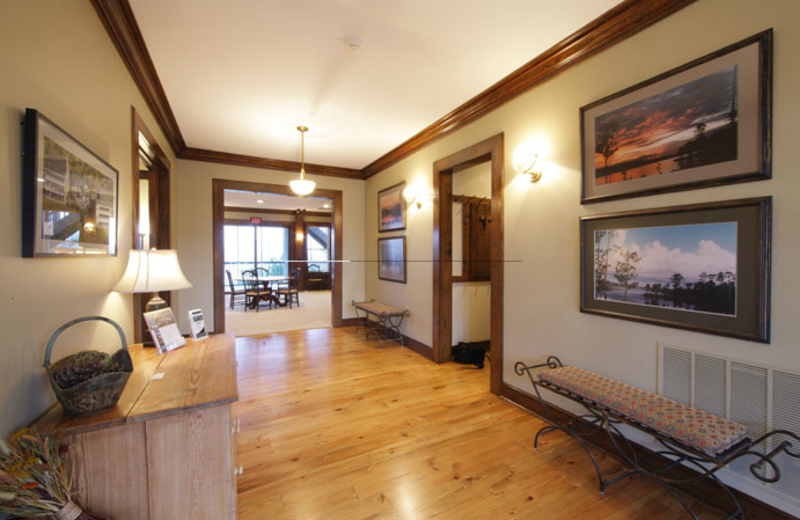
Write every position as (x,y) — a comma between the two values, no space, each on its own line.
(392,259)
(164,330)
(198,324)
(392,208)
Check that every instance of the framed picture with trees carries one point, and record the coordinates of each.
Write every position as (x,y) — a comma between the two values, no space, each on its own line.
(702,267)
(703,124)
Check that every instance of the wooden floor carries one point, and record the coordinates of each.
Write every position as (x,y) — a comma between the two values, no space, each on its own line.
(333,428)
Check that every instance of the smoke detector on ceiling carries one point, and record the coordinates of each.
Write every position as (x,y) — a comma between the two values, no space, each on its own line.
(352,43)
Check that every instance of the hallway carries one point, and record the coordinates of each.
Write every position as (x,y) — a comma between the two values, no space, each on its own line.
(334,428)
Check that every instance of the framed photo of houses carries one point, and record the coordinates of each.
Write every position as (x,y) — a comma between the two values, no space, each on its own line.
(392,259)
(703,124)
(392,208)
(702,267)
(69,194)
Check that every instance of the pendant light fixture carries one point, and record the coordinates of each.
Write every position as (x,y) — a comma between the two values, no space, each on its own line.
(302,186)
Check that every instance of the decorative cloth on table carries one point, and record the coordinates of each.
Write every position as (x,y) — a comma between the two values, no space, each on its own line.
(703,431)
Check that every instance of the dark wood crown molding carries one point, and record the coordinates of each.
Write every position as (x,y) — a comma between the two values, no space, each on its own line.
(198,154)
(120,22)
(617,24)
(121,25)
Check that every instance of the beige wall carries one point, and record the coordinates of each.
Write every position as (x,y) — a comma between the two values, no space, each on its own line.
(193,230)
(541,294)
(56,57)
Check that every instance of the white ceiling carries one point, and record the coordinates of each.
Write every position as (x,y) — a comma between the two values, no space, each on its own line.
(241,75)
(247,199)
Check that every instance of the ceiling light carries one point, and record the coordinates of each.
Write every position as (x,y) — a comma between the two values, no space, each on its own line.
(302,186)
(260,201)
(326,206)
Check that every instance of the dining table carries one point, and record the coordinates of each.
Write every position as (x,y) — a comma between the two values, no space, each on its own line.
(265,282)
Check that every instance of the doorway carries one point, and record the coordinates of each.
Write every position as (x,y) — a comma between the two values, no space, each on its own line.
(304,242)
(151,207)
(489,151)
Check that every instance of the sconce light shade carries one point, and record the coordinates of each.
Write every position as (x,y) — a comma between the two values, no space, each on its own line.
(152,271)
(411,196)
(525,163)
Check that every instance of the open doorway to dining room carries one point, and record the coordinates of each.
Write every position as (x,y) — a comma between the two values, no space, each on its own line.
(274,253)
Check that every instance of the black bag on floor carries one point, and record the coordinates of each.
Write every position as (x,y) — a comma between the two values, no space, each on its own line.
(470,353)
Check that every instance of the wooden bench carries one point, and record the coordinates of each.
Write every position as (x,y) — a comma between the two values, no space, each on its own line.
(386,320)
(686,436)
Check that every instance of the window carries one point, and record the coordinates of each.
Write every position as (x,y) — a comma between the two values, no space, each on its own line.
(248,246)
(318,246)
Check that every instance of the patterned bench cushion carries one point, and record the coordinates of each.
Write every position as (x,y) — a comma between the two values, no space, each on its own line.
(703,431)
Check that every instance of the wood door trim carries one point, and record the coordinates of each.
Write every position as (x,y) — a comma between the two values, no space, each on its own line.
(268,211)
(614,26)
(218,187)
(491,149)
(163,226)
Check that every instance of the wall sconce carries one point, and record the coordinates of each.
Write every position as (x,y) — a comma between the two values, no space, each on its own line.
(414,195)
(527,164)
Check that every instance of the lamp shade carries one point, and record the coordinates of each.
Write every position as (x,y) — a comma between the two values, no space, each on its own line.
(302,186)
(152,271)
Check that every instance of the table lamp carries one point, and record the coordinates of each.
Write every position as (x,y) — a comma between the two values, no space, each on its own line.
(151,272)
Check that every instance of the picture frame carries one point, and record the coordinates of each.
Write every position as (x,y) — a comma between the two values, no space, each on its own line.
(392,208)
(700,267)
(70,196)
(703,124)
(392,259)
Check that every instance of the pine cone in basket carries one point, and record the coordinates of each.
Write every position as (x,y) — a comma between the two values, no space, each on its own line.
(77,373)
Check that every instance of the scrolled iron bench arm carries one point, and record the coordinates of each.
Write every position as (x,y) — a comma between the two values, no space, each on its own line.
(676,453)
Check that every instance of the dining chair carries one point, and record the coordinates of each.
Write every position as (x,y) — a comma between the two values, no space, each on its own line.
(237,295)
(292,292)
(254,290)
(315,279)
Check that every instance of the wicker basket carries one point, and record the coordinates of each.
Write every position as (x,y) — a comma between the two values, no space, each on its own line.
(102,391)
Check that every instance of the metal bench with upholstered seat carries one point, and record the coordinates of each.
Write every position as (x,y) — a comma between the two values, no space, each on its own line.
(386,320)
(686,436)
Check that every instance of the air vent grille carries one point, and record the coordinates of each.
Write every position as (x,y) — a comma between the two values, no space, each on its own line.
(760,397)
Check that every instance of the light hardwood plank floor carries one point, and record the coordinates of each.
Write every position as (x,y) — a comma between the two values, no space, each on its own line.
(334,428)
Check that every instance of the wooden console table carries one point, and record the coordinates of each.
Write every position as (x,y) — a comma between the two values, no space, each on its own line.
(167,450)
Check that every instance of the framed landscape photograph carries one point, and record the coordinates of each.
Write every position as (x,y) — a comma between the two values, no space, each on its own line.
(392,259)
(703,124)
(392,208)
(69,194)
(702,267)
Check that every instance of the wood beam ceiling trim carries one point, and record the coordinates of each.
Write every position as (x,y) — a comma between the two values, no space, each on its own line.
(197,154)
(617,24)
(121,25)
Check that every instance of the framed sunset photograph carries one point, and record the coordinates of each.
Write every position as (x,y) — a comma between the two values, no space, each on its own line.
(703,267)
(703,124)
(392,208)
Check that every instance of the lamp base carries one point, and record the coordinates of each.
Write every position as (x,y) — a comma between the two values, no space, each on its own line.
(153,304)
